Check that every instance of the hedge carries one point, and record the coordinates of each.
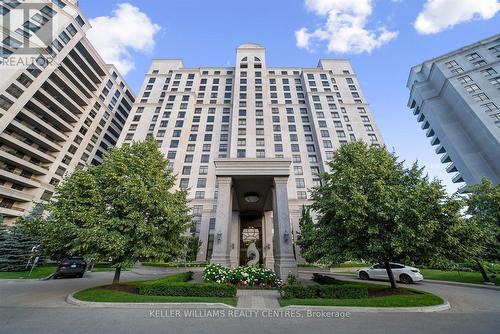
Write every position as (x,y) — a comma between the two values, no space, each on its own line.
(344,291)
(188,290)
(323,279)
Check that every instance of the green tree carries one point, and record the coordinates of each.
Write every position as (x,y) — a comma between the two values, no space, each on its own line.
(124,210)
(307,240)
(16,248)
(193,246)
(483,208)
(371,207)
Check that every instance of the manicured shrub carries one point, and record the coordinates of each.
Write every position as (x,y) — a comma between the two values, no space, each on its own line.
(216,273)
(244,276)
(343,291)
(322,279)
(188,290)
(299,291)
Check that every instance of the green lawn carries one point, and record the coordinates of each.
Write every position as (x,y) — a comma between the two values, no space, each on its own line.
(420,299)
(454,276)
(103,295)
(38,272)
(42,272)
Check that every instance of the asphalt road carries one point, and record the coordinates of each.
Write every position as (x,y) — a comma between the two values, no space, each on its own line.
(33,306)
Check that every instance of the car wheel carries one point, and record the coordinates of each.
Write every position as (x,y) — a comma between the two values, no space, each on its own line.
(405,279)
(363,275)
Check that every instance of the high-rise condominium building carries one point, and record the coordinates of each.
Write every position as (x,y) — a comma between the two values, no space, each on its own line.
(248,142)
(456,98)
(61,105)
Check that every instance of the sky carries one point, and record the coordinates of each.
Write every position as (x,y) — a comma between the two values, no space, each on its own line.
(382,38)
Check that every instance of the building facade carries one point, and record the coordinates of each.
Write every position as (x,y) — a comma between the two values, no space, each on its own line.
(61,105)
(456,97)
(248,142)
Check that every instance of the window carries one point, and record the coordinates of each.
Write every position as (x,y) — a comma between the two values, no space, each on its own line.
(199,195)
(490,106)
(297,170)
(203,170)
(488,71)
(479,63)
(301,195)
(300,183)
(5,103)
(495,81)
(451,64)
(186,170)
(465,79)
(201,183)
(472,88)
(14,91)
(241,153)
(184,183)
(472,56)
(480,97)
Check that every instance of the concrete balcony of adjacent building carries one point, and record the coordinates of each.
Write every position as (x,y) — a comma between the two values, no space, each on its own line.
(83,64)
(18,179)
(16,195)
(21,163)
(27,149)
(36,137)
(66,86)
(11,212)
(36,105)
(35,120)
(69,65)
(45,98)
(57,93)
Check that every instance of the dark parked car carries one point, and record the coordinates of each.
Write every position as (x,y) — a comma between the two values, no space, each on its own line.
(73,266)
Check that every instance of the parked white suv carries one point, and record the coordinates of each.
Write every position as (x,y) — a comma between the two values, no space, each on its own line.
(402,273)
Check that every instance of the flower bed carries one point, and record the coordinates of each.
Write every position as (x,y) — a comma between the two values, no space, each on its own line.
(245,276)
(344,291)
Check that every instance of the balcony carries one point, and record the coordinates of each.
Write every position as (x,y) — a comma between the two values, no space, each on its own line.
(12,212)
(21,146)
(68,88)
(36,121)
(18,179)
(25,131)
(45,98)
(21,163)
(61,96)
(80,61)
(42,111)
(16,195)
(69,66)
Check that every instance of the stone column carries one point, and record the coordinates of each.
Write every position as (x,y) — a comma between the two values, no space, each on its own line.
(223,218)
(267,227)
(284,260)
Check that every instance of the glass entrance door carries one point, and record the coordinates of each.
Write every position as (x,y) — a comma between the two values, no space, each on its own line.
(251,240)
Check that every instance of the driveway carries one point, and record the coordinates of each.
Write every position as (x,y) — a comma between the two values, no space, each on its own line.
(38,307)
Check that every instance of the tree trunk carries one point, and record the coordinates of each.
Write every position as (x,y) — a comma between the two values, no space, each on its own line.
(482,271)
(116,278)
(390,274)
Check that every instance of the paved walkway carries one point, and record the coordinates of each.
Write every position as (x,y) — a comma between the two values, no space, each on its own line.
(258,299)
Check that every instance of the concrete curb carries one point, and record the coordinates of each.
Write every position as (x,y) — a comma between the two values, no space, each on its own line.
(432,281)
(70,299)
(423,309)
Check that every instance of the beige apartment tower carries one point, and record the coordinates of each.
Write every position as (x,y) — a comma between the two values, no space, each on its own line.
(61,105)
(248,142)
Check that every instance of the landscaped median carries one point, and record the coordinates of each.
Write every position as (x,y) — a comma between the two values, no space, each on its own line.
(170,289)
(333,292)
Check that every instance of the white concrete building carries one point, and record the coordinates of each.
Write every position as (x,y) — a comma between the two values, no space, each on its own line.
(248,142)
(61,105)
(456,98)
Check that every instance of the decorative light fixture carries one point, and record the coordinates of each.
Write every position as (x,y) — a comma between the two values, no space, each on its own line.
(286,236)
(251,197)
(268,246)
(219,237)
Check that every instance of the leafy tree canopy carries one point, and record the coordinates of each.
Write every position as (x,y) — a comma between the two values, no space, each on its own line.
(123,210)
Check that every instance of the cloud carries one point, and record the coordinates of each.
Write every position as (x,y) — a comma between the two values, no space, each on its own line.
(125,30)
(345,28)
(439,15)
